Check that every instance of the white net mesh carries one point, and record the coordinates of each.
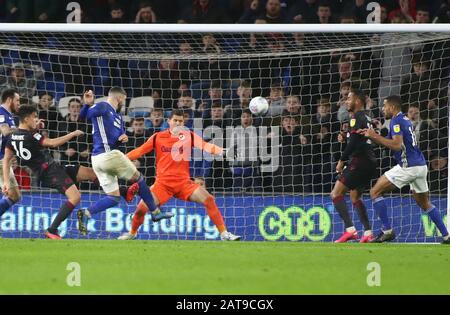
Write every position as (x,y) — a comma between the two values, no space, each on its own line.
(280,195)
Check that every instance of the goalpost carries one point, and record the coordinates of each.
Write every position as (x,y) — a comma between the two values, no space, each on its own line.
(277,188)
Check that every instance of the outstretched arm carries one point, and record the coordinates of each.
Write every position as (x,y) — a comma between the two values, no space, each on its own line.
(56,142)
(142,150)
(9,154)
(206,146)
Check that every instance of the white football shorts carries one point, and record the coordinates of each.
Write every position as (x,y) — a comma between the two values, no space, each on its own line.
(415,176)
(110,166)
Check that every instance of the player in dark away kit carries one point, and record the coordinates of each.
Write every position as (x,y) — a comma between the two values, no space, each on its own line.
(30,148)
(357,175)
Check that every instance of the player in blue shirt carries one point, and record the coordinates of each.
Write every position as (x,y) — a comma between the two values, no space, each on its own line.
(109,163)
(411,169)
(10,105)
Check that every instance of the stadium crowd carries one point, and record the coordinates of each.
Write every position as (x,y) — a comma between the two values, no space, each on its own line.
(224,11)
(307,93)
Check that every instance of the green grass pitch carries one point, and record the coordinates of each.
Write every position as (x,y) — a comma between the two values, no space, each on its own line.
(30,266)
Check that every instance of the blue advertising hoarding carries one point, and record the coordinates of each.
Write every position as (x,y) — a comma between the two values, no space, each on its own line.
(255,218)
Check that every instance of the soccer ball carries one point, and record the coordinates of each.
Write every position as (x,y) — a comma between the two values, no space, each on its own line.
(258,106)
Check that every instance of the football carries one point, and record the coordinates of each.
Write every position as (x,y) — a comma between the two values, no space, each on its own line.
(258,106)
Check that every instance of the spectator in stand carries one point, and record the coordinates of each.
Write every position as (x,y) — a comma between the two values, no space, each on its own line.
(423,15)
(239,104)
(294,108)
(341,105)
(22,175)
(217,118)
(17,79)
(276,100)
(204,11)
(383,15)
(273,13)
(438,174)
(211,68)
(406,11)
(165,78)
(156,120)
(443,14)
(287,178)
(332,83)
(186,101)
(137,135)
(47,11)
(244,144)
(251,13)
(425,130)
(347,19)
(188,68)
(117,14)
(48,113)
(77,150)
(304,11)
(215,94)
(395,63)
(324,119)
(324,15)
(418,86)
(19,11)
(145,14)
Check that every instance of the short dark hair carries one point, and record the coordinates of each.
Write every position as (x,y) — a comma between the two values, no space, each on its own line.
(216,105)
(74,99)
(115,7)
(46,93)
(144,4)
(415,105)
(324,3)
(422,8)
(394,100)
(26,111)
(359,94)
(176,112)
(117,89)
(246,111)
(215,84)
(8,93)
(245,84)
(136,119)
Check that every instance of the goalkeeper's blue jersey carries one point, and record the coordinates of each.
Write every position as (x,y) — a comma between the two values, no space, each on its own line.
(410,154)
(107,126)
(5,118)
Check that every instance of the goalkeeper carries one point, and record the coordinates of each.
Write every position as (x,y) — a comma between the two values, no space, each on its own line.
(173,150)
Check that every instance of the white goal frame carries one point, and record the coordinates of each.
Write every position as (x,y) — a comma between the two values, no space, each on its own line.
(235,28)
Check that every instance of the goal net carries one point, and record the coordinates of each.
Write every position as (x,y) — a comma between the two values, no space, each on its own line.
(275,185)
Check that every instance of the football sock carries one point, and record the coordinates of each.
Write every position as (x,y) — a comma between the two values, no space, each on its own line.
(145,194)
(381,210)
(214,214)
(138,217)
(362,213)
(5,204)
(435,216)
(341,207)
(63,213)
(103,204)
